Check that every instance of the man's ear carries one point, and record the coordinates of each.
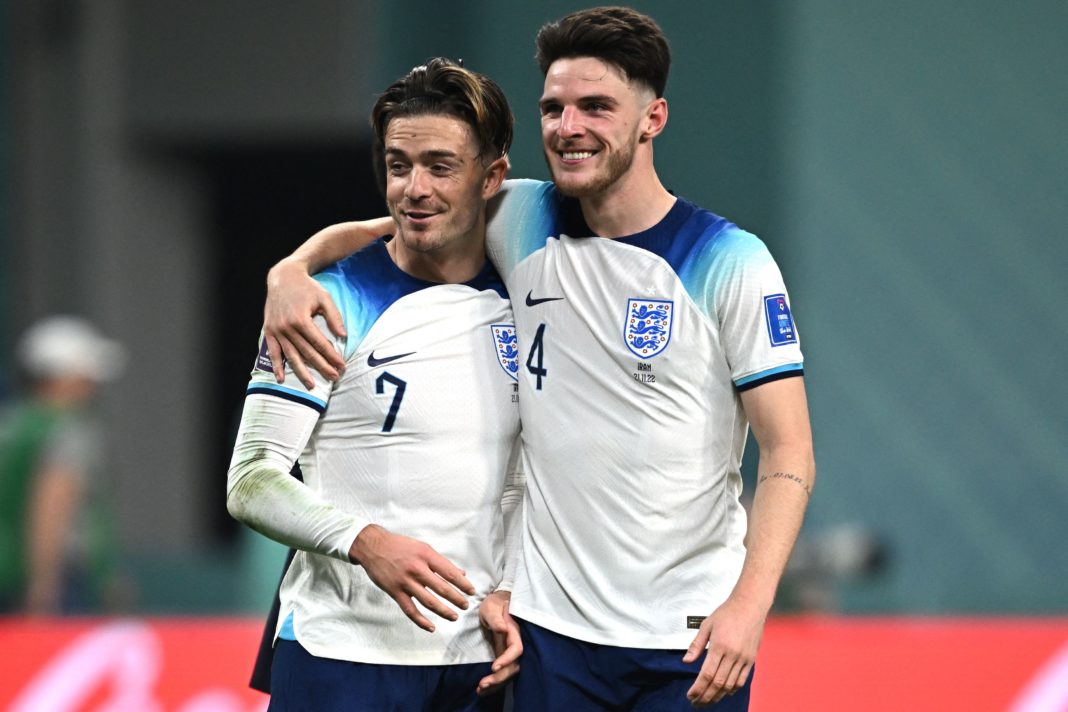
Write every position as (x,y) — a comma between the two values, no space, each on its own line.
(496,172)
(654,120)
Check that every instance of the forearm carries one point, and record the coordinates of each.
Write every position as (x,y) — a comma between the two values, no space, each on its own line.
(262,494)
(282,508)
(785,478)
(336,242)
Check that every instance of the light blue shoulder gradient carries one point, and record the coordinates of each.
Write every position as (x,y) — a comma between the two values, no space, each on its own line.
(521,217)
(357,313)
(718,261)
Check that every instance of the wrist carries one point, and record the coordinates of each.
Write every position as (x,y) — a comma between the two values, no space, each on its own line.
(365,543)
(757,602)
(291,265)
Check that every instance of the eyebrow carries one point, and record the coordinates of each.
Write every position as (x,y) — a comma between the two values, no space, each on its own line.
(433,154)
(586,99)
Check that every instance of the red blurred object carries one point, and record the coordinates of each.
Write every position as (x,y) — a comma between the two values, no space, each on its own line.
(154,665)
(915,664)
(824,664)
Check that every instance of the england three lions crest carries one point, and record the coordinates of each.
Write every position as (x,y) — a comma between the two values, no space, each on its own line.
(505,344)
(647,330)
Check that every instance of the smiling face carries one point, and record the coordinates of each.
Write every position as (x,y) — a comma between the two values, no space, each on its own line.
(437,185)
(591,124)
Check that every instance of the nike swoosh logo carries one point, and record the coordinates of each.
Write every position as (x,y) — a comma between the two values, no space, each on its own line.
(373,362)
(531,302)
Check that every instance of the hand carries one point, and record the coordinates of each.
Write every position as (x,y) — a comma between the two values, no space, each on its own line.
(293,300)
(407,568)
(507,643)
(732,635)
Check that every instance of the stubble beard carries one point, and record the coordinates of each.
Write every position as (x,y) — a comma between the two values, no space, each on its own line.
(617,165)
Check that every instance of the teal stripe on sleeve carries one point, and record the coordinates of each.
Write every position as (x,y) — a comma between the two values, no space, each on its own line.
(786,368)
(289,393)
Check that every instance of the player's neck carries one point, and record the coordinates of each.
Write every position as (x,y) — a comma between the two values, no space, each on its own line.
(458,262)
(636,202)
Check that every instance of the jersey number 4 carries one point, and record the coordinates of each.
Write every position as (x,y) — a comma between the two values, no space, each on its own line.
(398,396)
(535,364)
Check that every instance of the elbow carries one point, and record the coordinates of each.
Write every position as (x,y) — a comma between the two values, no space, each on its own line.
(235,505)
(237,495)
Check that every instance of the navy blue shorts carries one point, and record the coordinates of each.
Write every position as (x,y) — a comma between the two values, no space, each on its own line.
(301,682)
(561,673)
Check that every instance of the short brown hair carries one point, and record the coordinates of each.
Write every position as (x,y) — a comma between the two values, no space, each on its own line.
(442,86)
(619,36)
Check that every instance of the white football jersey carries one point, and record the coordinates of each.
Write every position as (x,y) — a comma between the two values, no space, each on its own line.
(633,352)
(415,437)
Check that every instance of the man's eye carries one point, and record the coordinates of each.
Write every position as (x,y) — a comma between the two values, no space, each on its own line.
(550,110)
(397,169)
(440,169)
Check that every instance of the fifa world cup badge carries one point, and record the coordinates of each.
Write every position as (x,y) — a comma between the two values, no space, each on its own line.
(780,322)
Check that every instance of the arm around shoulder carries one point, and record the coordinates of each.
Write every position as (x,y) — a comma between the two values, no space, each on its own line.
(294,299)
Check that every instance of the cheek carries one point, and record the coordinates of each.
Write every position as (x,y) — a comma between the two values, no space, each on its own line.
(394,189)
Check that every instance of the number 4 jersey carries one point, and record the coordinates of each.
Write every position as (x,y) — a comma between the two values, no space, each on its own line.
(633,352)
(416,436)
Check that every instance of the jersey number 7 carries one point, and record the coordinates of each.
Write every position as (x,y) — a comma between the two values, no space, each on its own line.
(380,388)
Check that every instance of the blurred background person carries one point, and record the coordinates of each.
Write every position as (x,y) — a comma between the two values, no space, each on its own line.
(56,548)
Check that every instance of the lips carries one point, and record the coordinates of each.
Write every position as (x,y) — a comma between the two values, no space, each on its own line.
(573,156)
(417,216)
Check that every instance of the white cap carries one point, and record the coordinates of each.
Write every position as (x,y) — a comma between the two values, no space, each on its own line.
(70,346)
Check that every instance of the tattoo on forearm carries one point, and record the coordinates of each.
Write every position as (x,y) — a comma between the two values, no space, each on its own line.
(788,476)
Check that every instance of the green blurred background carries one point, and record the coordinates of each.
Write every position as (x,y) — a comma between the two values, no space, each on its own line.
(907,163)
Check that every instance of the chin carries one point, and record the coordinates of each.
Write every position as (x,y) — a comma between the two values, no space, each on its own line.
(576,188)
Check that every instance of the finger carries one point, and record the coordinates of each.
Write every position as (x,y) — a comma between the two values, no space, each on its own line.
(443,589)
(700,688)
(293,358)
(274,352)
(315,360)
(434,604)
(312,354)
(451,573)
(729,686)
(413,613)
(743,676)
(333,318)
(494,681)
(513,649)
(318,340)
(717,689)
(698,645)
(734,678)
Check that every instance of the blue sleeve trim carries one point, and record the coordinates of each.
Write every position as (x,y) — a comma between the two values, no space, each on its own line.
(304,398)
(787,371)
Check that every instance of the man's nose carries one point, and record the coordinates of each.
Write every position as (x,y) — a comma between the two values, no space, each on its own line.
(570,122)
(418,185)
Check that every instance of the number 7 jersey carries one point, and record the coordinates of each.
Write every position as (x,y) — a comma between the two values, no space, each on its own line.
(633,352)
(415,436)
